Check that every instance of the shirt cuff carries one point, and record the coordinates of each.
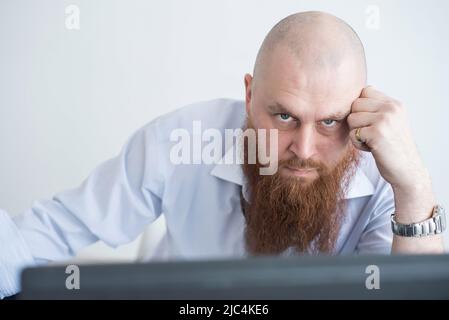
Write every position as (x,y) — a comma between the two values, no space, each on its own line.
(14,256)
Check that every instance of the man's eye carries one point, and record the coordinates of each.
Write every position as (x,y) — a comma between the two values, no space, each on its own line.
(284,117)
(329,123)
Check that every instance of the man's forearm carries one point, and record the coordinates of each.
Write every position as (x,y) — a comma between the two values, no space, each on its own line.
(412,206)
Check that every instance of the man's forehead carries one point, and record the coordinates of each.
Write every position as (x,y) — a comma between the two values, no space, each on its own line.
(328,94)
(288,78)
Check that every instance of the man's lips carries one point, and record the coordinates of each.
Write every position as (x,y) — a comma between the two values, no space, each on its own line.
(301,171)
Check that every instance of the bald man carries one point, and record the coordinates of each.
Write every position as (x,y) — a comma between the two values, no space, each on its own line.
(310,84)
(348,177)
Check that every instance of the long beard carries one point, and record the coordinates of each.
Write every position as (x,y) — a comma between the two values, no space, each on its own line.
(286,212)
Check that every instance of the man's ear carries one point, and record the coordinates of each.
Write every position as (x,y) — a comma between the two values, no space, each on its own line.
(248,91)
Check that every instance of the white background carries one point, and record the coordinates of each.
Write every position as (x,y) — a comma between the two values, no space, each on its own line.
(70,98)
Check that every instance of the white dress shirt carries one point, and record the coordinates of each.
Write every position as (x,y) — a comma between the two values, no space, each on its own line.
(200,202)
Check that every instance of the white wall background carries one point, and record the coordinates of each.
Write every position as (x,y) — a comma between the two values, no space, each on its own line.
(70,98)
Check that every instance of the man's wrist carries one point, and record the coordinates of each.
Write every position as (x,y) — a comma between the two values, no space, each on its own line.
(414,204)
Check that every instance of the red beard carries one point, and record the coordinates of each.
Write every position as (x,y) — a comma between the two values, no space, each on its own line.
(285,212)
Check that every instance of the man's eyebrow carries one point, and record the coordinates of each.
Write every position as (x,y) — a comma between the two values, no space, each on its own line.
(340,115)
(279,108)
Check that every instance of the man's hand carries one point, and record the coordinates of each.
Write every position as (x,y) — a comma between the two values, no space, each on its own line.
(382,126)
(385,132)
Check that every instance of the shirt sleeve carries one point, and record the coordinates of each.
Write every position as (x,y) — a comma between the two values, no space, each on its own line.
(114,204)
(377,236)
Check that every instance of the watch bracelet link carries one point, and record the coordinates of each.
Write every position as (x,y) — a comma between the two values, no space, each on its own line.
(434,225)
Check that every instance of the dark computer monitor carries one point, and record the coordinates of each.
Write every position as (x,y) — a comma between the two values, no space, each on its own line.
(322,277)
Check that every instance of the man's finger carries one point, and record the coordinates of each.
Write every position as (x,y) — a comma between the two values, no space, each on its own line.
(365,105)
(371,92)
(362,119)
(361,145)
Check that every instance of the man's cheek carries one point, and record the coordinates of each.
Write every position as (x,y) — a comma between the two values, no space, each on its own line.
(283,144)
(270,157)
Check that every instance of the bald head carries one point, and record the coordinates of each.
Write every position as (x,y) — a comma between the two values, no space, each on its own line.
(319,42)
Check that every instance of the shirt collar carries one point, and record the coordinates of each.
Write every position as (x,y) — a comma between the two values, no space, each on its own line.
(360,185)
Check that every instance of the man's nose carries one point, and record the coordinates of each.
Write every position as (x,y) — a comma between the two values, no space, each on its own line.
(303,142)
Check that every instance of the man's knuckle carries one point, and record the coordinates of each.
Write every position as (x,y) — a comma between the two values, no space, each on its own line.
(379,130)
(351,119)
(394,107)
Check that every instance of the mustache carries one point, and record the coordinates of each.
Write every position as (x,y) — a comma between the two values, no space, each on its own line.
(304,164)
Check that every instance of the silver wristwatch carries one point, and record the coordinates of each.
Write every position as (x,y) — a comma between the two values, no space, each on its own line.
(434,225)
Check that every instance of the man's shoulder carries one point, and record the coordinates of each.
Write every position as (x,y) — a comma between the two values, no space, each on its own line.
(217,114)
